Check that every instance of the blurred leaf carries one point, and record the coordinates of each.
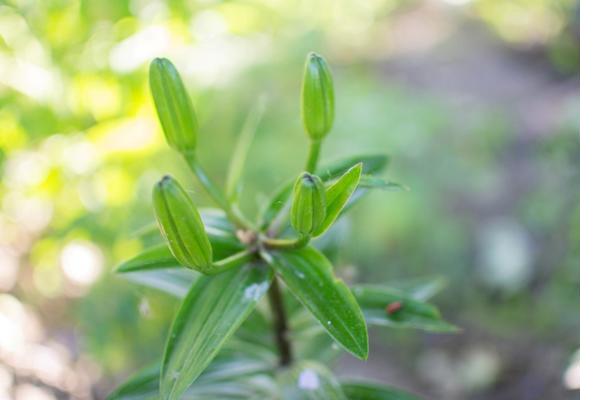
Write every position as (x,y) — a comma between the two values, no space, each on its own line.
(372,182)
(309,380)
(374,391)
(152,258)
(337,196)
(309,276)
(174,281)
(421,289)
(371,164)
(141,386)
(228,368)
(210,313)
(374,301)
(240,153)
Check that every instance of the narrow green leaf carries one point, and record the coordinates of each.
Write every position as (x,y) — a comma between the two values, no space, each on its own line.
(337,196)
(391,307)
(228,366)
(373,182)
(309,380)
(371,165)
(174,281)
(421,289)
(211,312)
(141,386)
(277,203)
(309,276)
(238,158)
(155,257)
(374,391)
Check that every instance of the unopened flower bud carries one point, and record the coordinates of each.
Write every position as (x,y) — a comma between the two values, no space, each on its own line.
(181,225)
(308,205)
(173,106)
(318,103)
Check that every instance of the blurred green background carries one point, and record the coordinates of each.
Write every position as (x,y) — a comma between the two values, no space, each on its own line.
(475,101)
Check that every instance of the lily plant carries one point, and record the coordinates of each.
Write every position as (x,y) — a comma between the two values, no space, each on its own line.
(262,313)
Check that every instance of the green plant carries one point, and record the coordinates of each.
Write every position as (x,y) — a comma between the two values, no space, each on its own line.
(224,343)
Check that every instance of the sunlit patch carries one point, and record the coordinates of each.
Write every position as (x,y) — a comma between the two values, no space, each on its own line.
(29,392)
(6,380)
(25,168)
(139,48)
(9,268)
(32,213)
(81,262)
(17,327)
(457,2)
(308,380)
(571,377)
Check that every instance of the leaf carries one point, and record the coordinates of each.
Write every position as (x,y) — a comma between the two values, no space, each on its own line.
(374,391)
(309,380)
(374,301)
(421,289)
(238,158)
(278,201)
(337,195)
(308,274)
(152,258)
(371,165)
(372,182)
(228,366)
(173,281)
(141,386)
(210,313)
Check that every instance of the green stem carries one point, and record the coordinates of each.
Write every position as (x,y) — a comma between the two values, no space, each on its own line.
(215,192)
(288,244)
(233,261)
(313,156)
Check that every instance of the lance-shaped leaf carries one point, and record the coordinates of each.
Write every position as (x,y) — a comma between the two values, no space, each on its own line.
(421,289)
(374,391)
(337,195)
(228,366)
(238,158)
(309,380)
(371,164)
(391,307)
(211,312)
(157,268)
(141,386)
(309,276)
(373,182)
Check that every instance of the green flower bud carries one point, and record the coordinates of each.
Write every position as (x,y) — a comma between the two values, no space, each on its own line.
(173,106)
(181,225)
(318,103)
(308,205)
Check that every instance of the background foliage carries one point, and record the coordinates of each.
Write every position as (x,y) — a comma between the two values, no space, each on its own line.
(475,101)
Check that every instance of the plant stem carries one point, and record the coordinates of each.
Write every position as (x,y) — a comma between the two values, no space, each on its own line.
(289,244)
(233,261)
(215,192)
(313,156)
(280,326)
